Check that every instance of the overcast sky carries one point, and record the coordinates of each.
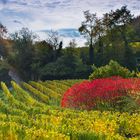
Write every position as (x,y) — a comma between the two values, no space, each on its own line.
(55,14)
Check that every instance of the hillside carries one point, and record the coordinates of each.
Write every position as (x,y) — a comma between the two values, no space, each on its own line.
(32,111)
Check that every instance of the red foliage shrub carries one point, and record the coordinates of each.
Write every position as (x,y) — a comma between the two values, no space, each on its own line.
(88,94)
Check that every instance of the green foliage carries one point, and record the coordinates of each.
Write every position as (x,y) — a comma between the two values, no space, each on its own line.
(112,69)
(67,66)
(92,29)
(21,56)
(123,104)
(135,47)
(138,74)
(4,75)
(128,104)
(110,37)
(3,30)
(39,95)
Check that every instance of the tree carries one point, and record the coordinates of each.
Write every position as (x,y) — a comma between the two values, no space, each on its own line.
(99,30)
(92,30)
(136,27)
(21,56)
(119,21)
(54,41)
(3,30)
(68,66)
(71,48)
(43,54)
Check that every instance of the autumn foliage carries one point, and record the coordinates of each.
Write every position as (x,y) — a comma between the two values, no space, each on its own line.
(89,94)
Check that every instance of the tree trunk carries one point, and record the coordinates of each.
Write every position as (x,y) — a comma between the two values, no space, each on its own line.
(91,53)
(100,50)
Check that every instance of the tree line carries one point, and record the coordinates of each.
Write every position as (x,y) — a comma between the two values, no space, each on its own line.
(109,37)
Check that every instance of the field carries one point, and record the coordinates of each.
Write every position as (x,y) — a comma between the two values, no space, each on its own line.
(32,111)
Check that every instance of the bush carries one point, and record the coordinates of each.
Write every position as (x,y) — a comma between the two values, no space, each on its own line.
(65,67)
(138,74)
(104,94)
(112,69)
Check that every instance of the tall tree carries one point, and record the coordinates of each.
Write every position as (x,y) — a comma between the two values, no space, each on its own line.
(55,42)
(100,32)
(43,54)
(91,29)
(22,55)
(87,29)
(119,20)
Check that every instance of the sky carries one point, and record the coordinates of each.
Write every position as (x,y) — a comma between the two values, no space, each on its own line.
(43,15)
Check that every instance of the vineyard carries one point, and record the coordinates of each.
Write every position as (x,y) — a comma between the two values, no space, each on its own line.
(32,111)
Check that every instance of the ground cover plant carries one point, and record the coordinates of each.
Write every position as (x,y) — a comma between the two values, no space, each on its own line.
(25,115)
(114,93)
